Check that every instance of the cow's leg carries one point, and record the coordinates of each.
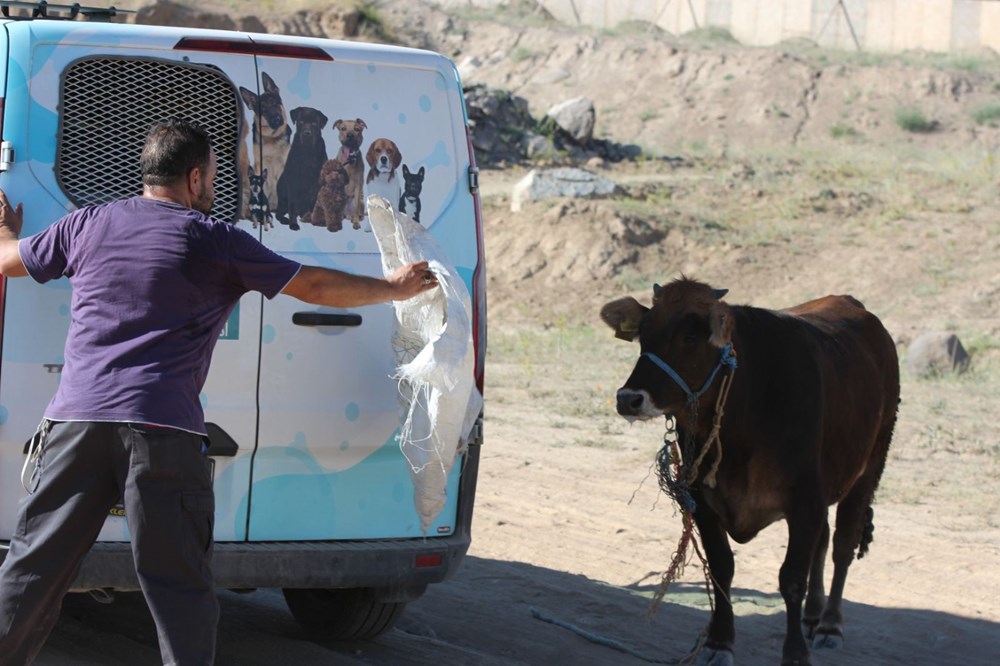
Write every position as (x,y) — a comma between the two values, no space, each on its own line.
(829,632)
(718,649)
(854,516)
(805,522)
(853,513)
(816,596)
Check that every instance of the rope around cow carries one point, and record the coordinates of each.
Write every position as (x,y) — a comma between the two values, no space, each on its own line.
(676,480)
(677,485)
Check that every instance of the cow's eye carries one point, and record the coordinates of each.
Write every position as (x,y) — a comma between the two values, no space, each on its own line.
(689,339)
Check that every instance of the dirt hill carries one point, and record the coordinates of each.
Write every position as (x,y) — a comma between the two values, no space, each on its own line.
(792,172)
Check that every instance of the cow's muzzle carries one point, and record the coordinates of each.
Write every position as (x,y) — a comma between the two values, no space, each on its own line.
(634,404)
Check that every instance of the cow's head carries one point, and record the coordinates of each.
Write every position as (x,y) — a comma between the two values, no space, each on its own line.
(687,327)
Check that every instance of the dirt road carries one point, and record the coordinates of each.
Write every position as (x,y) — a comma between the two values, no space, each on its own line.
(569,525)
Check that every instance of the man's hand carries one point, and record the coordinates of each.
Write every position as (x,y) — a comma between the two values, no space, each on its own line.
(11,221)
(411,279)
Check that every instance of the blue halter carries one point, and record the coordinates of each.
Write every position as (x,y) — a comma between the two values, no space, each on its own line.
(727,360)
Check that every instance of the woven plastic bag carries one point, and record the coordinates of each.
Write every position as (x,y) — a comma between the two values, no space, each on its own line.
(435,359)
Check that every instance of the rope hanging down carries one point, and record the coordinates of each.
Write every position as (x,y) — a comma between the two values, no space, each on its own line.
(674,484)
(676,476)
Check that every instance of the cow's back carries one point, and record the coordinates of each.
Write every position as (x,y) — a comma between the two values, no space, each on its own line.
(859,385)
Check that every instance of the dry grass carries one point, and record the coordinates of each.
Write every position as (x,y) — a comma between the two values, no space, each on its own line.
(911,233)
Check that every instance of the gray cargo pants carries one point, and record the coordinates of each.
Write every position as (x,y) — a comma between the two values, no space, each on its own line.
(84,469)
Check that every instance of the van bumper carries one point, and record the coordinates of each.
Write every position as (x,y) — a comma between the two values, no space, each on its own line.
(394,564)
(397,568)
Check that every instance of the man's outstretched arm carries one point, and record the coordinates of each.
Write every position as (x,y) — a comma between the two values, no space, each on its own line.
(325,286)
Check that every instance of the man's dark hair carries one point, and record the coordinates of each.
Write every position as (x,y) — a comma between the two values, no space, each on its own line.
(173,147)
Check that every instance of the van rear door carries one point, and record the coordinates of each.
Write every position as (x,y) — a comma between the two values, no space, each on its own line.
(79,101)
(327,464)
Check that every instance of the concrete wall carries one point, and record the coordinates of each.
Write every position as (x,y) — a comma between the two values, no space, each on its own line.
(872,25)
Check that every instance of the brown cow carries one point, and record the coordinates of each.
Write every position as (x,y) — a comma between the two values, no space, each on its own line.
(808,421)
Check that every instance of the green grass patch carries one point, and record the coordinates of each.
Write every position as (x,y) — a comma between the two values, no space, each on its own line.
(841,131)
(515,13)
(710,36)
(521,53)
(912,119)
(987,115)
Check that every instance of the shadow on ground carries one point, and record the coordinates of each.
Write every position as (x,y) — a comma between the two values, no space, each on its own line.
(489,614)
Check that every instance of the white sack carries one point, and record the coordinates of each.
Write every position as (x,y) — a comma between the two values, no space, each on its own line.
(435,359)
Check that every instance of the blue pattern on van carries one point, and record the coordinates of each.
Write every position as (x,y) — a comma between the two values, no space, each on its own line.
(300,84)
(439,157)
(44,72)
(356,503)
(27,344)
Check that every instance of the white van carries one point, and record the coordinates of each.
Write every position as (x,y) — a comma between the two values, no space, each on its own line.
(312,492)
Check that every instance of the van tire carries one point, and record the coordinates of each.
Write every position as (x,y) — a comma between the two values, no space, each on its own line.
(353,614)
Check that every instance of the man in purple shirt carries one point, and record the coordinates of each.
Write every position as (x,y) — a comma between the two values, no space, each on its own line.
(154,280)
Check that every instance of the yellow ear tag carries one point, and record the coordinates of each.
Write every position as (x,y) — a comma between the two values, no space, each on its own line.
(627,330)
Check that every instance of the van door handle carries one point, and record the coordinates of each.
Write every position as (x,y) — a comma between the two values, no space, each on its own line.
(324,319)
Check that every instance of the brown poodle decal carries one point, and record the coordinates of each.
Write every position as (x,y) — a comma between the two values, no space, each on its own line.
(331,201)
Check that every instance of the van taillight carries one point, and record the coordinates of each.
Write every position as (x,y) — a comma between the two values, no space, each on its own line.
(250,47)
(425,561)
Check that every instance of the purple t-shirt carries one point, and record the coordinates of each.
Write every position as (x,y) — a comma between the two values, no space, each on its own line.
(153,284)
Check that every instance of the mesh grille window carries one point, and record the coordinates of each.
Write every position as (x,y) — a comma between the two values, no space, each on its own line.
(108,106)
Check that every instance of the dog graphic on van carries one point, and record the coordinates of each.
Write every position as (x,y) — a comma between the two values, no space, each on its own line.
(409,202)
(331,199)
(272,135)
(383,160)
(351,134)
(298,183)
(260,207)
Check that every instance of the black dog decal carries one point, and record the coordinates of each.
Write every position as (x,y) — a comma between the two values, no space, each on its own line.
(260,207)
(410,199)
(299,183)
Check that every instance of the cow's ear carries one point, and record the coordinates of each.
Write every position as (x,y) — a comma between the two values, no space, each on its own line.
(624,316)
(721,320)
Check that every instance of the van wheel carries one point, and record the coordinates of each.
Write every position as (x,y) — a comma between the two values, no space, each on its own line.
(342,615)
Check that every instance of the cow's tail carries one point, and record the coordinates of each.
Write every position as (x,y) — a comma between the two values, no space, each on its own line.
(881,454)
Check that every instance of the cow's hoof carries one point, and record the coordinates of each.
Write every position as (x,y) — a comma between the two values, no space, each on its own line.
(712,657)
(828,640)
(799,661)
(809,628)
